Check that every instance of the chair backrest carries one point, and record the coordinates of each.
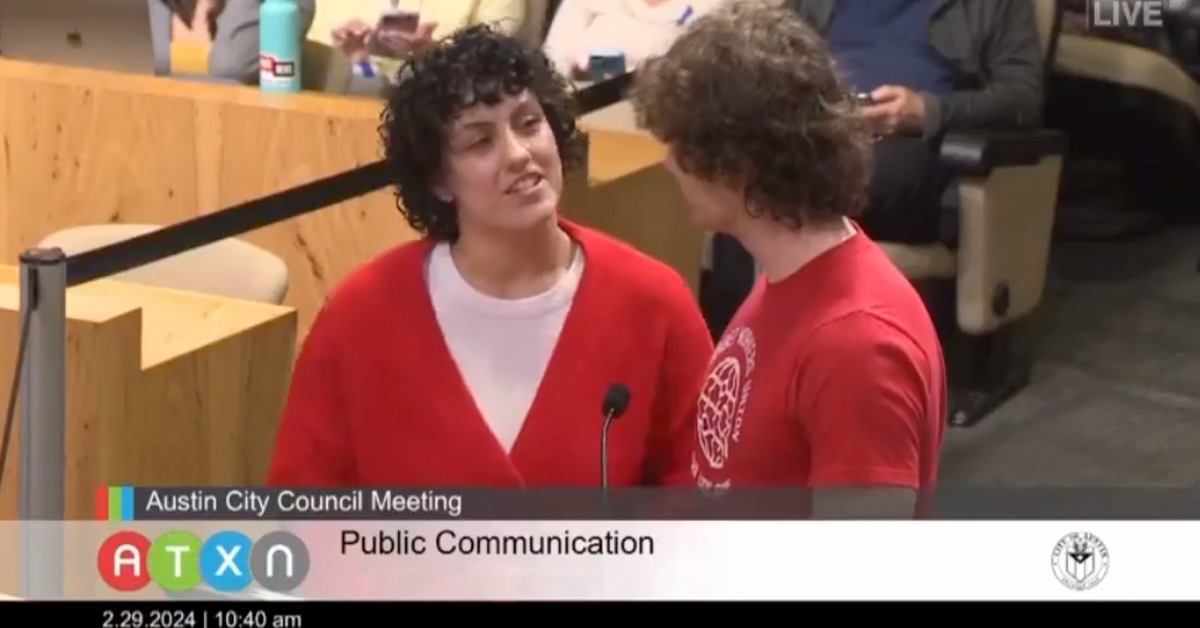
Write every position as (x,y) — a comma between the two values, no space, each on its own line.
(320,65)
(229,268)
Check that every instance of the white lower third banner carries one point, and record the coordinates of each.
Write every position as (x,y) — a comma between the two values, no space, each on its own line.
(628,560)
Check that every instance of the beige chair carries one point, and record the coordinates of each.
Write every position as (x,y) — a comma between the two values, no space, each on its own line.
(1129,67)
(230,268)
(1135,106)
(1005,197)
(322,69)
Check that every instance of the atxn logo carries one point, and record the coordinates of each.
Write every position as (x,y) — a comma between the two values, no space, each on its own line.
(179,561)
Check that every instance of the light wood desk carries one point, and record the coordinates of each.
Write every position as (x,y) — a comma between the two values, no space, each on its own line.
(89,147)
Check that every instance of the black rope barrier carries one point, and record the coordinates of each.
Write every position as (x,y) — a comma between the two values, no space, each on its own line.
(233,221)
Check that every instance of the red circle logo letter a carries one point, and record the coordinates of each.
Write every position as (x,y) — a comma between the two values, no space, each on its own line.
(122,561)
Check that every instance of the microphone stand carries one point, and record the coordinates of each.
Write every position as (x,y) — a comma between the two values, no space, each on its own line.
(616,400)
(608,419)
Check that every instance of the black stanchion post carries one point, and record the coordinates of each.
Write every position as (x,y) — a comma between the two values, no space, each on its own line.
(43,418)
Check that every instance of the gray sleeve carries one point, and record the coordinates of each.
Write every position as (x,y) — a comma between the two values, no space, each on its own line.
(1012,97)
(234,53)
(160,36)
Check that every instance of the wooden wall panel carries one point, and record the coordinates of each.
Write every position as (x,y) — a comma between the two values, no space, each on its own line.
(87,147)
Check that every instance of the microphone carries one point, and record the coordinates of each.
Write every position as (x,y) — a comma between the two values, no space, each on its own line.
(616,400)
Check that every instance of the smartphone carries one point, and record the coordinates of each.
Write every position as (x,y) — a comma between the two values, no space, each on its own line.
(400,21)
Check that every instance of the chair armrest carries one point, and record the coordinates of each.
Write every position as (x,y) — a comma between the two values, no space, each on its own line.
(1006,203)
(978,152)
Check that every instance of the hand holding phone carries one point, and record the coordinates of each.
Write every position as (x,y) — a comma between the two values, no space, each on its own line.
(351,38)
(403,21)
(401,33)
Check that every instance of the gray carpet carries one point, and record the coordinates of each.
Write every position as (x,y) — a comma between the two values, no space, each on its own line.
(1115,398)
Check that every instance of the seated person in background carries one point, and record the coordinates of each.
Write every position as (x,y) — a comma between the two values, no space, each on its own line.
(635,28)
(375,46)
(481,354)
(929,66)
(830,377)
(217,38)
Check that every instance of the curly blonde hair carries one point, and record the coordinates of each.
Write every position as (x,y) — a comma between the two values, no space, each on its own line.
(750,97)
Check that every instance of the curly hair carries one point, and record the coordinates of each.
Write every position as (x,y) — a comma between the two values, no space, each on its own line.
(476,64)
(749,97)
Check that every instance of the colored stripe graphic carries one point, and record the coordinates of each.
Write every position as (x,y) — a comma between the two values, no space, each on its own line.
(102,503)
(114,503)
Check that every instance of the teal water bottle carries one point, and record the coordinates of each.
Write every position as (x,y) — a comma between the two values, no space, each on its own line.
(279,45)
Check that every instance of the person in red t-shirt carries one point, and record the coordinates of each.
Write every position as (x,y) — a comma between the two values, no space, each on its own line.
(830,377)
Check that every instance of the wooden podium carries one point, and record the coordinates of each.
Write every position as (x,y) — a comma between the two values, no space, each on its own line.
(162,388)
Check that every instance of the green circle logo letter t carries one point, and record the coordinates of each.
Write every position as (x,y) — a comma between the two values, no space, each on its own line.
(175,561)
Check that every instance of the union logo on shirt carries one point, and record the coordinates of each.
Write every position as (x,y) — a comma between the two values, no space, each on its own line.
(722,404)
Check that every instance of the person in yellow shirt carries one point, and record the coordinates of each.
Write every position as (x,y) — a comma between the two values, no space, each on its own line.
(211,39)
(373,48)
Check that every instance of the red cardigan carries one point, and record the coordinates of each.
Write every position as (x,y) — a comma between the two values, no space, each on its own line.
(376,398)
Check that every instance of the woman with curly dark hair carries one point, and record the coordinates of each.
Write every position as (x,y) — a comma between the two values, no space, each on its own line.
(848,386)
(481,354)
